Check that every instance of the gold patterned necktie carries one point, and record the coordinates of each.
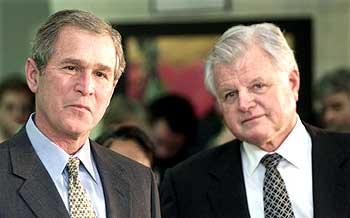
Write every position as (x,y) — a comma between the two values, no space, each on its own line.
(276,199)
(79,202)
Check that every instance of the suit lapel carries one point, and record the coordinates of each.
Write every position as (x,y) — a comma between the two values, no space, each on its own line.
(329,161)
(115,186)
(226,192)
(37,190)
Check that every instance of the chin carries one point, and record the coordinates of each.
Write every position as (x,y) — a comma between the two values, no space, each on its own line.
(256,138)
(78,128)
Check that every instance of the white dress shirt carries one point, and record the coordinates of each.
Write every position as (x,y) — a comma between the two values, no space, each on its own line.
(55,160)
(295,169)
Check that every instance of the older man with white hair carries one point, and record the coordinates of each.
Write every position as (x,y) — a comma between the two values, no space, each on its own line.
(278,166)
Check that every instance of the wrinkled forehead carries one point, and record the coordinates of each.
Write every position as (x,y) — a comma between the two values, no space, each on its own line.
(254,59)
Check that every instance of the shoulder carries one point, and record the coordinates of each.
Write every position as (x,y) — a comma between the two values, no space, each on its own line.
(329,140)
(209,159)
(186,184)
(106,158)
(316,132)
(4,156)
(120,171)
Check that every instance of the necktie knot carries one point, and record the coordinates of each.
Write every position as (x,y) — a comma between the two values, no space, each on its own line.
(271,160)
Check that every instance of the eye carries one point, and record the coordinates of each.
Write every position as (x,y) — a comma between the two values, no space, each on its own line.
(102,74)
(259,87)
(230,96)
(337,107)
(71,68)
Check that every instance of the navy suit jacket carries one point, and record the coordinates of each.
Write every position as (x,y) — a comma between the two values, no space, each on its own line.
(211,184)
(28,191)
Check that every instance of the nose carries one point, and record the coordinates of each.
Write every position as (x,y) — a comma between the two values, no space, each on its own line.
(85,84)
(245,101)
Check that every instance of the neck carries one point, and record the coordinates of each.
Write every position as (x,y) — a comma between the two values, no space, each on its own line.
(72,147)
(273,144)
(68,141)
(68,144)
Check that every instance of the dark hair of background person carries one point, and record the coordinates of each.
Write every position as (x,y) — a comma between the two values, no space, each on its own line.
(333,82)
(332,99)
(177,140)
(178,112)
(128,132)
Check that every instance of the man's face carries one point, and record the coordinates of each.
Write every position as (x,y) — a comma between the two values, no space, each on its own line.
(336,112)
(168,143)
(74,89)
(15,108)
(258,102)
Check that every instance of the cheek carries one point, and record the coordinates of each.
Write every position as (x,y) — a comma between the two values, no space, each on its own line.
(103,100)
(231,119)
(282,101)
(50,89)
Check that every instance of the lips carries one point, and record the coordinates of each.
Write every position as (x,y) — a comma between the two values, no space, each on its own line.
(248,119)
(81,107)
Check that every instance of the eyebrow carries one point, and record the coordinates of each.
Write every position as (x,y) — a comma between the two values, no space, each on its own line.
(233,88)
(258,79)
(79,62)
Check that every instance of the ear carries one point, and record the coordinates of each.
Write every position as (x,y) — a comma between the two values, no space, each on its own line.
(32,74)
(294,82)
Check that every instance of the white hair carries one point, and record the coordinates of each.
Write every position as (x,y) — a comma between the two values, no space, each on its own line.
(237,40)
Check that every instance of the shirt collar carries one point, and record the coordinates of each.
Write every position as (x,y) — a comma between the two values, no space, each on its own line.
(46,150)
(84,155)
(293,149)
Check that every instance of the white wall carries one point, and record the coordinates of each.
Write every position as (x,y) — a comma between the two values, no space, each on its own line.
(20,19)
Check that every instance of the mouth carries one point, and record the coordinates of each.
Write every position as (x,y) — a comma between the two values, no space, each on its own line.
(80,107)
(252,118)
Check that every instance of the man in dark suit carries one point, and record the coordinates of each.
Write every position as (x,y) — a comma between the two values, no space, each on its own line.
(51,168)
(278,166)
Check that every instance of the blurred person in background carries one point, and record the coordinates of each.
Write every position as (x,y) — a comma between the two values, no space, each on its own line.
(130,141)
(124,110)
(16,105)
(173,127)
(333,100)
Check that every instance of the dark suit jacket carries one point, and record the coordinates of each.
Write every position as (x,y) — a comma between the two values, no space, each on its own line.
(211,184)
(28,191)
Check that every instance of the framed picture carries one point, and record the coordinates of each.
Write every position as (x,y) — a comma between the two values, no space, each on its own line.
(185,6)
(169,58)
